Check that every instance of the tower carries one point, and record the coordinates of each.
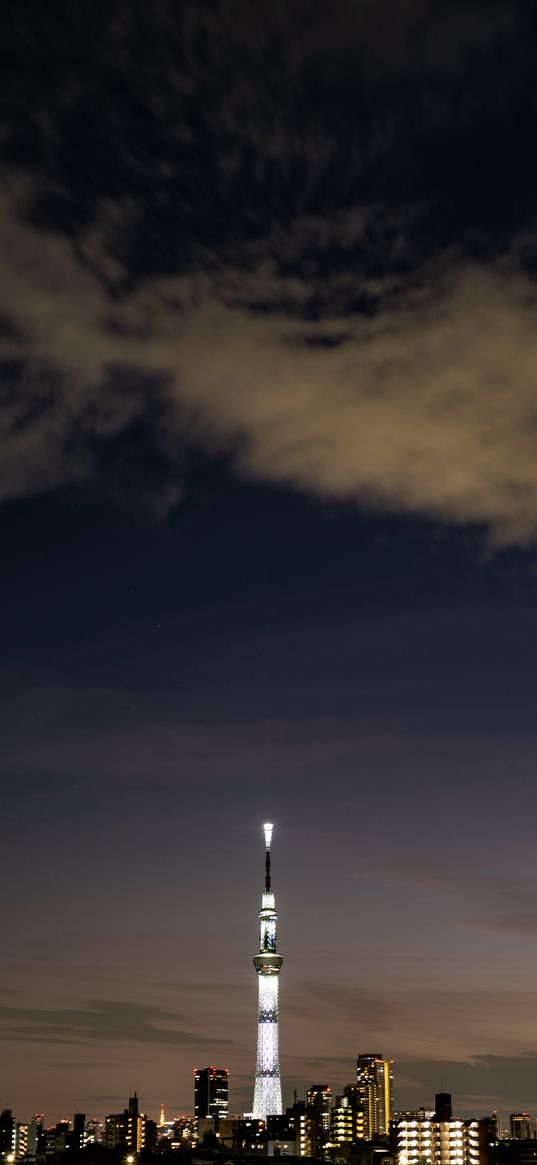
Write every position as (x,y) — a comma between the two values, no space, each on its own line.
(268,1089)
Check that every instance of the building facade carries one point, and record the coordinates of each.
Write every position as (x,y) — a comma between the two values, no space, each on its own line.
(243,1134)
(347,1121)
(522,1126)
(126,1130)
(7,1133)
(318,1114)
(211,1092)
(374,1082)
(444,1142)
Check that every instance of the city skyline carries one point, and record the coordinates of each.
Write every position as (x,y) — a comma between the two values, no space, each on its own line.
(319,1098)
(323,1127)
(268,516)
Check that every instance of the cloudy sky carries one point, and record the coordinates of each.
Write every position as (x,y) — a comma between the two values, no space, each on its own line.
(268,483)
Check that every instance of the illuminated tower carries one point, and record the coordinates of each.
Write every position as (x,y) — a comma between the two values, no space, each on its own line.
(268,1089)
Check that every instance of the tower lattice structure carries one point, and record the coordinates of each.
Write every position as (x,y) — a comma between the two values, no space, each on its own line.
(268,1089)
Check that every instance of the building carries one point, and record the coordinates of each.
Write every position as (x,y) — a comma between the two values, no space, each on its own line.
(22,1140)
(417,1114)
(370,1153)
(281,1133)
(301,1139)
(211,1089)
(443,1110)
(282,1127)
(426,1140)
(288,1128)
(268,1089)
(76,1138)
(93,1132)
(243,1134)
(30,1139)
(517,1151)
(347,1121)
(444,1142)
(318,1109)
(115,1131)
(7,1134)
(56,1138)
(523,1126)
(126,1130)
(182,1132)
(374,1081)
(150,1135)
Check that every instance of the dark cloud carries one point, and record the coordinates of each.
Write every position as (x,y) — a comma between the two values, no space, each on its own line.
(220,128)
(100,1021)
(294,242)
(477,1084)
(420,1018)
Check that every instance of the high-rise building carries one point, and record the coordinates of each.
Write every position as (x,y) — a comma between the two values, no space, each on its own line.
(211,1089)
(268,1089)
(374,1080)
(523,1126)
(318,1106)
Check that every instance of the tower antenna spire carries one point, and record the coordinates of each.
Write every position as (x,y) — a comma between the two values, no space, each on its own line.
(268,1089)
(267,829)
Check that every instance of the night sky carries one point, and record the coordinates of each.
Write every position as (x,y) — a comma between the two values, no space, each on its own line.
(268,483)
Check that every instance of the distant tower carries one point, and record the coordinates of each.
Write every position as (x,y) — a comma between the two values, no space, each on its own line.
(268,1089)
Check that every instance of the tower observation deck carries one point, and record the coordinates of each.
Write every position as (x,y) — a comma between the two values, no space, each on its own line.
(268,1089)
